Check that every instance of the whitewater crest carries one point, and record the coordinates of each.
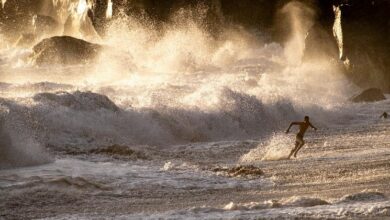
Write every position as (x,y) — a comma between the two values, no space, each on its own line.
(309,207)
(295,201)
(302,201)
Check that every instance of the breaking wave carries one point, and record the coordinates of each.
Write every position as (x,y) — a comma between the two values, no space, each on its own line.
(18,146)
(86,119)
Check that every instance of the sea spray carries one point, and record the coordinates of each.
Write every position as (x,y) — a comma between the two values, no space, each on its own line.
(277,148)
(17,144)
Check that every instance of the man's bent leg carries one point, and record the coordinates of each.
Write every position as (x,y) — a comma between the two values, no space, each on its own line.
(293,150)
(300,146)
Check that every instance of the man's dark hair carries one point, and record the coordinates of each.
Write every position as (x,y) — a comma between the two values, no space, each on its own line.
(306,117)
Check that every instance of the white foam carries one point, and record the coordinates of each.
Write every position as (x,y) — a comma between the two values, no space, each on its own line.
(121,177)
(278,147)
(266,211)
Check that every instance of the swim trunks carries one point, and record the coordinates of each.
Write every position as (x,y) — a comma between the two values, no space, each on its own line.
(299,139)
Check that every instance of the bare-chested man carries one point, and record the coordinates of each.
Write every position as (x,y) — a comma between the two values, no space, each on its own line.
(299,142)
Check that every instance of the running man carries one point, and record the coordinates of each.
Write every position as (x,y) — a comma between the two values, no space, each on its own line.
(299,142)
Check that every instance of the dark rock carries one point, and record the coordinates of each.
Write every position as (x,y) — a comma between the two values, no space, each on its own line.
(366,33)
(114,149)
(85,101)
(64,50)
(240,171)
(363,196)
(366,39)
(119,151)
(303,202)
(369,95)
(98,14)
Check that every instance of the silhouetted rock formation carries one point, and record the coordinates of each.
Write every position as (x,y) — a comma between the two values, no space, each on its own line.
(369,95)
(366,30)
(366,39)
(64,50)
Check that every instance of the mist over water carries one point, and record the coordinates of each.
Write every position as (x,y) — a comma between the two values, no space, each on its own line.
(175,107)
(176,82)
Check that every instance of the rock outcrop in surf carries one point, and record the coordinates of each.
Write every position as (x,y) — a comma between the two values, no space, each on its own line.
(118,152)
(85,101)
(64,50)
(369,95)
(299,201)
(362,197)
(240,171)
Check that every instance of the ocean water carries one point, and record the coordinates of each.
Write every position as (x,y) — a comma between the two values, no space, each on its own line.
(158,126)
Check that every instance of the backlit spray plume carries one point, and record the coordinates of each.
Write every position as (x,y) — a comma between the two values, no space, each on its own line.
(78,23)
(82,7)
(109,9)
(300,20)
(337,30)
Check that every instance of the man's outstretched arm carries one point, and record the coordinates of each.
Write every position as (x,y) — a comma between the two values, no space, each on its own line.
(313,126)
(292,123)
